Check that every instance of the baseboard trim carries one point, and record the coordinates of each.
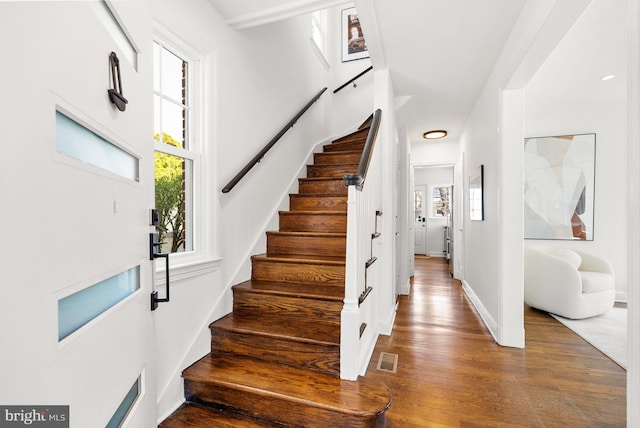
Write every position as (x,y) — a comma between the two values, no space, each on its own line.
(366,356)
(406,288)
(386,327)
(621,296)
(486,317)
(439,254)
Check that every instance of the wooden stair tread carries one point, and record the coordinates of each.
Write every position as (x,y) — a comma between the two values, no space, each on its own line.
(321,179)
(318,196)
(362,398)
(301,212)
(328,158)
(313,221)
(335,165)
(344,146)
(308,234)
(343,152)
(333,185)
(303,259)
(360,134)
(197,416)
(303,290)
(320,334)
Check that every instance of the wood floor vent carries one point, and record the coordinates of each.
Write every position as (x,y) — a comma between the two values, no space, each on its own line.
(387,362)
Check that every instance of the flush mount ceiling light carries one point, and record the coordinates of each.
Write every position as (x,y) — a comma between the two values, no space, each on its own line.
(434,135)
(607,77)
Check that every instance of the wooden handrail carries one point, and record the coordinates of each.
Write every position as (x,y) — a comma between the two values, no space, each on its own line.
(257,158)
(358,178)
(353,79)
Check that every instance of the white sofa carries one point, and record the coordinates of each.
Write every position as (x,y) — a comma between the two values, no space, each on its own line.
(569,283)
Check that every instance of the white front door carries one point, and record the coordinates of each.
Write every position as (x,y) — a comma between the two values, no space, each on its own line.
(76,185)
(420,199)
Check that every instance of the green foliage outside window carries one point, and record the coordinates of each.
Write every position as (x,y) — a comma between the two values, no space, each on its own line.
(170,196)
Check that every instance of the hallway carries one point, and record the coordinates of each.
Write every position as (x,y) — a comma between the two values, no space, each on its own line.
(451,372)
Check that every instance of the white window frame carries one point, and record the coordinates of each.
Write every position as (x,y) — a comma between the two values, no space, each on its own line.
(202,258)
(431,200)
(319,22)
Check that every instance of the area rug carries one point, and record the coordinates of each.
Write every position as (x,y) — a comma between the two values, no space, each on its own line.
(607,333)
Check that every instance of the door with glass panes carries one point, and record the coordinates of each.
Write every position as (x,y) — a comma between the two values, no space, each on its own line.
(77,189)
(420,210)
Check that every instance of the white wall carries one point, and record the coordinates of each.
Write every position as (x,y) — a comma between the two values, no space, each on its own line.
(565,97)
(260,78)
(440,152)
(350,106)
(404,243)
(386,244)
(492,249)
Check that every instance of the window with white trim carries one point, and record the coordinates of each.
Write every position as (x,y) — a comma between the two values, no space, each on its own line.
(440,200)
(176,149)
(319,29)
(319,36)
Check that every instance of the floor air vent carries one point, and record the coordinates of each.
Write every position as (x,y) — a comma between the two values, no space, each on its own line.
(387,362)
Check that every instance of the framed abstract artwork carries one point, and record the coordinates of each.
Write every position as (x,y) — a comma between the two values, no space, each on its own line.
(559,185)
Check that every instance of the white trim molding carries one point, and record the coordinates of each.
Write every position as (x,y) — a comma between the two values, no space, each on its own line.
(488,320)
(279,13)
(186,271)
(633,159)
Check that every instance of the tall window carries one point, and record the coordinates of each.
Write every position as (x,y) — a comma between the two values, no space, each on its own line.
(319,29)
(174,148)
(319,36)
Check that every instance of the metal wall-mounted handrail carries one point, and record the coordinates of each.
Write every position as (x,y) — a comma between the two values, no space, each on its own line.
(353,79)
(257,158)
(358,178)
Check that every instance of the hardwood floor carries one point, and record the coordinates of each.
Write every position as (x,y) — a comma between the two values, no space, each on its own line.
(451,373)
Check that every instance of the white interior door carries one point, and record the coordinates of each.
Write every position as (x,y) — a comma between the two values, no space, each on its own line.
(420,200)
(77,186)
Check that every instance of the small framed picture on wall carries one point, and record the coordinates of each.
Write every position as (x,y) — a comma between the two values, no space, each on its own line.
(353,43)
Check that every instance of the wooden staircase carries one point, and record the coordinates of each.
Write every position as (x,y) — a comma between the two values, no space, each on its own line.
(275,360)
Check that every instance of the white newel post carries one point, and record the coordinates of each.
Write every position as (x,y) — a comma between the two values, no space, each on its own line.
(358,329)
(350,319)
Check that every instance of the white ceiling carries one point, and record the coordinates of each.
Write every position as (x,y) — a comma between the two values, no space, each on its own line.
(236,8)
(247,13)
(439,52)
(595,46)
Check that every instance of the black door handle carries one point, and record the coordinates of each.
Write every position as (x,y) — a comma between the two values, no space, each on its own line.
(154,253)
(115,95)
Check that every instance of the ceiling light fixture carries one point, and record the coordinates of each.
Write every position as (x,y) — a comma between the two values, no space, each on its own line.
(434,135)
(607,77)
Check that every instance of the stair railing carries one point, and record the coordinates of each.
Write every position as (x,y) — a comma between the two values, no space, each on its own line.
(352,80)
(362,229)
(258,157)
(359,177)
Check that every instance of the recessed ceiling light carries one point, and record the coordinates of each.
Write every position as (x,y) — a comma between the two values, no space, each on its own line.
(607,77)
(434,135)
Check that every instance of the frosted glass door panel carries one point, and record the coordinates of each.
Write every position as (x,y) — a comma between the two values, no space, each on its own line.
(77,142)
(79,308)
